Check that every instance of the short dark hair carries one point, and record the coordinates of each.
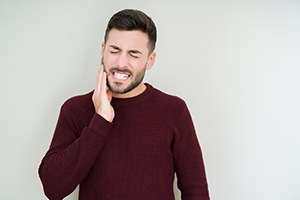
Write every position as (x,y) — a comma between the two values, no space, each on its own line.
(129,20)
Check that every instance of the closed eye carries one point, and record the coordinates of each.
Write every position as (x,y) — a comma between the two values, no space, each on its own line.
(114,49)
(133,55)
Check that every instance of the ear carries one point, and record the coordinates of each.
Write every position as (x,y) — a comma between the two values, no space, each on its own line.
(151,60)
(102,49)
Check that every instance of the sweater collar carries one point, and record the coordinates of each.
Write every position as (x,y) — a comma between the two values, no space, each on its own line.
(134,100)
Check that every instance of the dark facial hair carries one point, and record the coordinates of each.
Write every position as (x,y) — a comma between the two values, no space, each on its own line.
(117,88)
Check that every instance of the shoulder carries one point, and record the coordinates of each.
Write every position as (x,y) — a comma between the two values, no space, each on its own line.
(77,112)
(173,108)
(171,102)
(78,103)
(167,98)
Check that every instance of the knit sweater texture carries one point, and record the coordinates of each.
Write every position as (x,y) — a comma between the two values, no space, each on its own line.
(133,158)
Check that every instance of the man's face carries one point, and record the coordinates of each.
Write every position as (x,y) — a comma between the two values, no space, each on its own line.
(125,59)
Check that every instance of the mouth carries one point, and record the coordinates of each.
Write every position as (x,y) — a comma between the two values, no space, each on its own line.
(121,75)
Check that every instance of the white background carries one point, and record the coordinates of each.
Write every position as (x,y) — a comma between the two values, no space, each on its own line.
(236,63)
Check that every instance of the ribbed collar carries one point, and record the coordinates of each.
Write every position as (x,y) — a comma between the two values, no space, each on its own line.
(136,99)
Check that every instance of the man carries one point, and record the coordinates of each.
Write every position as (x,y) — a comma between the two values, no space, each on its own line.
(126,139)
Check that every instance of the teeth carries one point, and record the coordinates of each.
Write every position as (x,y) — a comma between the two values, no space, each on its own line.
(121,76)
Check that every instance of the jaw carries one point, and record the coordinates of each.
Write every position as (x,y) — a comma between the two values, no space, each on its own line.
(125,87)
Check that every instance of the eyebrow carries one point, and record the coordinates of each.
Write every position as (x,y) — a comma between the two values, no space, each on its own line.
(130,51)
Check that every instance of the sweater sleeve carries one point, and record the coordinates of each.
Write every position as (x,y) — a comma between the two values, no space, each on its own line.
(71,154)
(188,159)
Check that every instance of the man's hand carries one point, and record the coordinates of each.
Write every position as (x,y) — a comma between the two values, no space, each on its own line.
(102,97)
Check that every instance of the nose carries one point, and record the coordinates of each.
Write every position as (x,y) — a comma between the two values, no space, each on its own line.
(122,60)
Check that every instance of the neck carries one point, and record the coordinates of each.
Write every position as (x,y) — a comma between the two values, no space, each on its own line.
(135,92)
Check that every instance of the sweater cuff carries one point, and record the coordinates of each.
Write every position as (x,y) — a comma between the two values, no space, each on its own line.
(100,125)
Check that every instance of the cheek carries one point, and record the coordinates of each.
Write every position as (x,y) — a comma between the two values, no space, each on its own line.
(139,63)
(143,64)
(107,59)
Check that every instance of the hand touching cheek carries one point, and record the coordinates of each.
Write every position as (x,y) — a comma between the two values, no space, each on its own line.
(102,97)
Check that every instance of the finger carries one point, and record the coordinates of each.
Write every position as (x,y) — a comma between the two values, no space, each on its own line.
(103,87)
(99,79)
(98,82)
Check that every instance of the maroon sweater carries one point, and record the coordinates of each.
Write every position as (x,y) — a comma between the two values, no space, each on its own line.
(135,157)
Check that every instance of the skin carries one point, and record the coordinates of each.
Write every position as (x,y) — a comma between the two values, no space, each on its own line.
(127,54)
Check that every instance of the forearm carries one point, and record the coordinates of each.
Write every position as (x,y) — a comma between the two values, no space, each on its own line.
(191,175)
(64,167)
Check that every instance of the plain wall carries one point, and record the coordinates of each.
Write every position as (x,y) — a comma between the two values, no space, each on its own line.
(236,64)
